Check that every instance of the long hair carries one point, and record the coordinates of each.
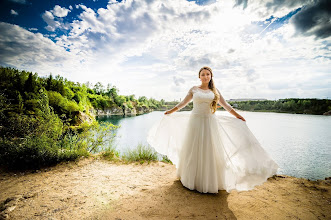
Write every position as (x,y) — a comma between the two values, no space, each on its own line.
(211,86)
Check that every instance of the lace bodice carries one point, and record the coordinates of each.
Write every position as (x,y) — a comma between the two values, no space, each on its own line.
(201,100)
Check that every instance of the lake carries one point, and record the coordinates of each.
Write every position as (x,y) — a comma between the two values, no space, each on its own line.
(300,144)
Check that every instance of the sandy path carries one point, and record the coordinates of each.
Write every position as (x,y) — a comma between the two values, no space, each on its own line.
(97,189)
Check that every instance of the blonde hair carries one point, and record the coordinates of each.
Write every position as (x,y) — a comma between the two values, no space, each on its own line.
(211,86)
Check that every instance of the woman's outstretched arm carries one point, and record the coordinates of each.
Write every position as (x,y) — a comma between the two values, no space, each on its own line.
(228,107)
(182,104)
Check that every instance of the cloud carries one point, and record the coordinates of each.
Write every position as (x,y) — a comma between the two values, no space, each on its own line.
(23,49)
(52,24)
(178,81)
(58,11)
(231,50)
(33,29)
(242,3)
(314,19)
(157,47)
(263,9)
(13,12)
(19,1)
(53,18)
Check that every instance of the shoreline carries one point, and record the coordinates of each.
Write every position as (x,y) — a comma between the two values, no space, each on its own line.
(93,188)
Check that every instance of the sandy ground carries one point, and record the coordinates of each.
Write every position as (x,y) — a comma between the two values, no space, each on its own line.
(98,189)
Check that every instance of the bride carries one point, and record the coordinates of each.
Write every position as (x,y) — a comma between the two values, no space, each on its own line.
(211,152)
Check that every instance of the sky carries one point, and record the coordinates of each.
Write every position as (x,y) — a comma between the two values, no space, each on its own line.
(270,49)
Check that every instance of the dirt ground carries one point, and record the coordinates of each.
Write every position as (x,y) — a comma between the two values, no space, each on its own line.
(99,189)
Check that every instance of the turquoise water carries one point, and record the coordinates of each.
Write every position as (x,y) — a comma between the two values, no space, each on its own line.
(300,144)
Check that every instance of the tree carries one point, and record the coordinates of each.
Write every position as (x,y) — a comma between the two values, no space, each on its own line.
(113,92)
(131,98)
(142,99)
(120,100)
(49,82)
(30,83)
(99,88)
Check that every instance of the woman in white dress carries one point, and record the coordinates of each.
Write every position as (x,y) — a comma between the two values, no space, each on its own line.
(211,152)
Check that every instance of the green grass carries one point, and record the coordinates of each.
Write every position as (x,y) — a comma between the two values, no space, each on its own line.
(110,154)
(141,154)
(165,159)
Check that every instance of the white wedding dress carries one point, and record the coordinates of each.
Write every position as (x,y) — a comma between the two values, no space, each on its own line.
(211,152)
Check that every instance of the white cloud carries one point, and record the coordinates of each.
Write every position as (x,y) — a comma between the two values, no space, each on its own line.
(18,1)
(13,12)
(34,52)
(58,11)
(33,29)
(52,24)
(178,81)
(157,47)
(53,18)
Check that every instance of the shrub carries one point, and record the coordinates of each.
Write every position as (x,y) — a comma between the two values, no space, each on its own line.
(110,153)
(141,153)
(29,142)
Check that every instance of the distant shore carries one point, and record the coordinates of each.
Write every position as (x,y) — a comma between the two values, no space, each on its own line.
(97,189)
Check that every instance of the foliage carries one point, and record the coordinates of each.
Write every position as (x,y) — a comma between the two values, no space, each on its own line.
(165,159)
(36,126)
(65,97)
(292,105)
(91,137)
(110,153)
(141,153)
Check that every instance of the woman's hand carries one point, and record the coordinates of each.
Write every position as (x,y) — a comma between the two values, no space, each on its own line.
(241,117)
(233,112)
(171,110)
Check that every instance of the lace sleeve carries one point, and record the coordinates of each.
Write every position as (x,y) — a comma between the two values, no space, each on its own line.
(186,100)
(224,103)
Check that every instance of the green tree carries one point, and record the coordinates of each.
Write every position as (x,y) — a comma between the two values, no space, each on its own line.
(99,88)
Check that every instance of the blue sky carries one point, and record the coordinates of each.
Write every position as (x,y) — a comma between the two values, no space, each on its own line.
(257,49)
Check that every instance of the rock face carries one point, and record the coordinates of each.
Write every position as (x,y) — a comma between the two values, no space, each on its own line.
(110,111)
(327,113)
(115,110)
(142,110)
(81,117)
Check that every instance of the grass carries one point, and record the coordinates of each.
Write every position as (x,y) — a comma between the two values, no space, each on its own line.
(110,154)
(141,154)
(165,159)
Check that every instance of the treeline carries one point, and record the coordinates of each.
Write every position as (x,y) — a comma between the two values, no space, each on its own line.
(65,97)
(291,105)
(37,115)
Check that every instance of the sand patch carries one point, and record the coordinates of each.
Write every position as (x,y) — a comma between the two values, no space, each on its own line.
(98,189)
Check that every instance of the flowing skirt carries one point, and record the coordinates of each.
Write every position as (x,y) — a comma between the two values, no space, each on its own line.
(212,152)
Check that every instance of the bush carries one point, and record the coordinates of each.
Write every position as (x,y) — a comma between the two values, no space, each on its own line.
(141,153)
(38,149)
(30,142)
(110,153)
